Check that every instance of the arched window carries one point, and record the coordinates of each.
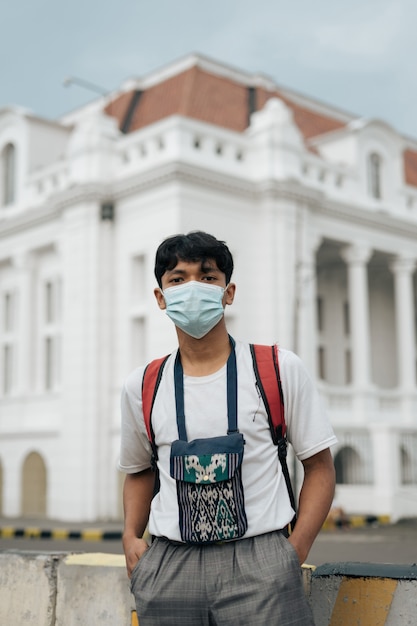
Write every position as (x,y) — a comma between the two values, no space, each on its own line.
(375,175)
(34,485)
(348,465)
(9,174)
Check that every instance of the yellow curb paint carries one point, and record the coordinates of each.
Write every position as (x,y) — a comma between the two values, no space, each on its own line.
(7,532)
(98,559)
(60,533)
(92,534)
(135,621)
(32,532)
(363,601)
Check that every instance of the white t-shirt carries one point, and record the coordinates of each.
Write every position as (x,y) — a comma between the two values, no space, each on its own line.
(205,398)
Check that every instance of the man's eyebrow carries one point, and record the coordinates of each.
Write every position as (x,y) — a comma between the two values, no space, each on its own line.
(207,267)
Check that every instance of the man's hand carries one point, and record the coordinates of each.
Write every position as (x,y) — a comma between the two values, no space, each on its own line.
(134,548)
(137,496)
(315,500)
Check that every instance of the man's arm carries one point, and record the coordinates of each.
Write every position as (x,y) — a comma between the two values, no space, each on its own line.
(315,500)
(137,496)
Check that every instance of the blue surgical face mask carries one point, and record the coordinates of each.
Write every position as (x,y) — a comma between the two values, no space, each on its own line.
(195,307)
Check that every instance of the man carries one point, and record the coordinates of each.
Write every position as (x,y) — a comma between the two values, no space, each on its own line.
(252,577)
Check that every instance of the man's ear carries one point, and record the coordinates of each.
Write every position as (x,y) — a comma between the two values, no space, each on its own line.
(229,294)
(160,298)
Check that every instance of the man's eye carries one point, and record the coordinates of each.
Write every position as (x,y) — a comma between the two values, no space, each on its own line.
(209,278)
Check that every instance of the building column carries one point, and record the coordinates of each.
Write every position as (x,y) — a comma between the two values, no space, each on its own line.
(357,256)
(305,343)
(386,469)
(403,269)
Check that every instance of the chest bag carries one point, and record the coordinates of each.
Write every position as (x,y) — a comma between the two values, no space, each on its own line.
(268,382)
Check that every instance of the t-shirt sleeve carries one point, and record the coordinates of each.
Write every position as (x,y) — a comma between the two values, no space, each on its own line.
(135,449)
(308,427)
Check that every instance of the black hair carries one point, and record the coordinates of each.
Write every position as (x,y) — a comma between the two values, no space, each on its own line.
(195,246)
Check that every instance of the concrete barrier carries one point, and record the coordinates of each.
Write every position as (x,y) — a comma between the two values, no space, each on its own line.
(93,589)
(60,589)
(364,594)
(28,588)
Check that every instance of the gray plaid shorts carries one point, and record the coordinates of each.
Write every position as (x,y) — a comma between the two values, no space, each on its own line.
(254,582)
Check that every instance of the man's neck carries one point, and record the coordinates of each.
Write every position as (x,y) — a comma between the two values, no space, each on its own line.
(201,357)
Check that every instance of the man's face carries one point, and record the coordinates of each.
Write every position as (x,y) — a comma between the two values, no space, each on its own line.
(199,271)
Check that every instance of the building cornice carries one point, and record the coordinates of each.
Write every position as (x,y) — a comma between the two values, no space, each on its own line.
(174,172)
(360,216)
(53,208)
(179,171)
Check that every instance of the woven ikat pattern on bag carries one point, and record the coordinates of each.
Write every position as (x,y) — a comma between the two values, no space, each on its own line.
(210,497)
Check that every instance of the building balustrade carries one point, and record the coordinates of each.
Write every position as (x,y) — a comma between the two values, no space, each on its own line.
(382,404)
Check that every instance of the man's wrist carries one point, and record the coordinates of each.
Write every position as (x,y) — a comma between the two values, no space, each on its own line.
(129,535)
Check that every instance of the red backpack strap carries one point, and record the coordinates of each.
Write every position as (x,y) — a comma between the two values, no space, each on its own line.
(268,380)
(150,383)
(266,368)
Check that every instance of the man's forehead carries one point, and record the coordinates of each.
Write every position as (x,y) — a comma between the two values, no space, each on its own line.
(204,265)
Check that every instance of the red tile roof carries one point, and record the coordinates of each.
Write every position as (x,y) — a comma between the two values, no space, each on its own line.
(214,99)
(310,123)
(219,100)
(410,167)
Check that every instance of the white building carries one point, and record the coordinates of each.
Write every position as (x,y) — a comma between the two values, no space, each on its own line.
(320,211)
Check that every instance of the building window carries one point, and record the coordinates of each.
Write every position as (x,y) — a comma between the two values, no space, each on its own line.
(7,344)
(51,334)
(9,174)
(8,312)
(7,369)
(375,175)
(322,363)
(34,483)
(138,341)
(139,293)
(320,314)
(346,318)
(139,290)
(348,367)
(349,468)
(408,459)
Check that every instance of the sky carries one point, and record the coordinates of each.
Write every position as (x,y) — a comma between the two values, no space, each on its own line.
(360,56)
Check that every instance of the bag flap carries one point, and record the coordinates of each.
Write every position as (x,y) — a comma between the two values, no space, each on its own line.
(207,461)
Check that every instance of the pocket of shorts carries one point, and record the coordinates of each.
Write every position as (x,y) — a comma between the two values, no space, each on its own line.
(136,569)
(291,550)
